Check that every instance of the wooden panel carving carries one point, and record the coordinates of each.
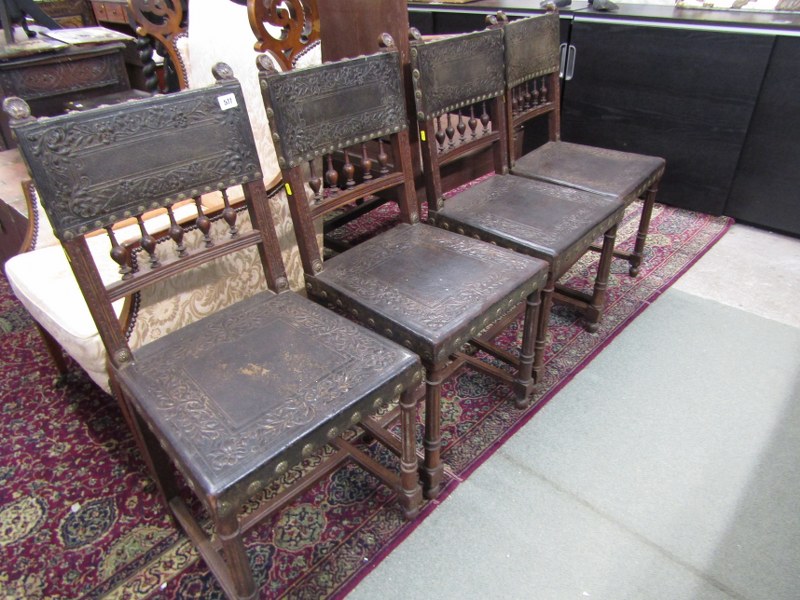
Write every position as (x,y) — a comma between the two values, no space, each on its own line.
(52,78)
(85,177)
(334,106)
(443,63)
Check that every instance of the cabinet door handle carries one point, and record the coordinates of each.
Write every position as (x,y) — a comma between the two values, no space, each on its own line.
(563,62)
(570,69)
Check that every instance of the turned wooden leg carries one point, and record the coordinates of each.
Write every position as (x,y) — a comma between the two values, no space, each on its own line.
(230,534)
(433,469)
(410,493)
(54,349)
(594,311)
(644,226)
(525,380)
(541,329)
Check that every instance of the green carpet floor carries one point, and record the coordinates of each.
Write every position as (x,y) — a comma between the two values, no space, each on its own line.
(666,469)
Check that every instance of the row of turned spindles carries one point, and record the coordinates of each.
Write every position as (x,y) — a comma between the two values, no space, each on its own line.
(528,95)
(123,255)
(328,184)
(468,123)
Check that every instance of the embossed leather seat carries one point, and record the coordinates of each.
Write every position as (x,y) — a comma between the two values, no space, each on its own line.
(457,80)
(235,399)
(430,290)
(532,80)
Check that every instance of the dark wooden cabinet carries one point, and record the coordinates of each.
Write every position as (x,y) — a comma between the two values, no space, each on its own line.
(687,95)
(443,23)
(115,14)
(766,189)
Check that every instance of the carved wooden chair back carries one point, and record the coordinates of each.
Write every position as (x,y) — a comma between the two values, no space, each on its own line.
(532,62)
(285,30)
(237,398)
(342,137)
(458,87)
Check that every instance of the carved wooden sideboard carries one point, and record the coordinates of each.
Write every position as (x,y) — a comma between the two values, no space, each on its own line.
(48,81)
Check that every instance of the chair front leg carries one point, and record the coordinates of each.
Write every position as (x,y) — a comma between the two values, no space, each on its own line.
(541,329)
(230,534)
(637,255)
(410,495)
(433,468)
(594,312)
(525,382)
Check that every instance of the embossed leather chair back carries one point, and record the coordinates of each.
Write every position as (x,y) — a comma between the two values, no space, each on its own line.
(352,115)
(458,87)
(532,61)
(235,399)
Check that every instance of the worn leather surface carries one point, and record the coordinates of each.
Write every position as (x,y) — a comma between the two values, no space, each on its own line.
(334,106)
(438,69)
(531,48)
(429,289)
(552,222)
(250,386)
(623,174)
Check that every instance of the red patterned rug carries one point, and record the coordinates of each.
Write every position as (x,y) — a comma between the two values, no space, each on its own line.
(79,517)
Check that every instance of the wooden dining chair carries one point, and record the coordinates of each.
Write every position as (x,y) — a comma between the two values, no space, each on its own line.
(428,289)
(532,60)
(458,88)
(234,400)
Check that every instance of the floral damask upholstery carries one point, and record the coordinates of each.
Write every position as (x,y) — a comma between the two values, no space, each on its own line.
(43,282)
(187,298)
(220,31)
(160,309)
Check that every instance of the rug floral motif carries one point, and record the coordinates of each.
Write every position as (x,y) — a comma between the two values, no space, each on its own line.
(80,518)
